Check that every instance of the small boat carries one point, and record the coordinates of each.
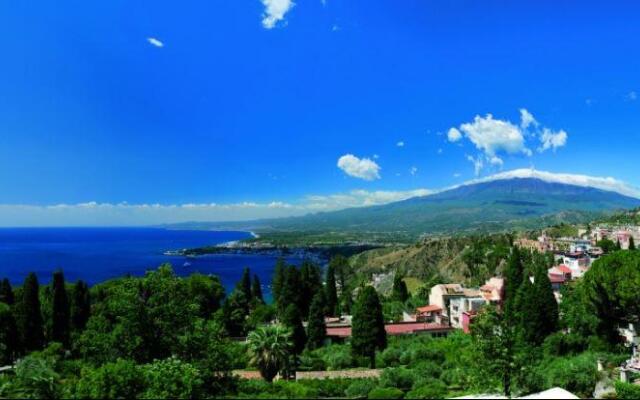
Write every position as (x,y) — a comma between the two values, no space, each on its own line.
(186,264)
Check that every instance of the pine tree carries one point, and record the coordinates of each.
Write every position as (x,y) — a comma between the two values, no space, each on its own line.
(256,290)
(6,292)
(60,315)
(29,318)
(293,321)
(618,246)
(278,280)
(632,243)
(245,283)
(367,328)
(316,327)
(399,291)
(331,293)
(8,335)
(80,306)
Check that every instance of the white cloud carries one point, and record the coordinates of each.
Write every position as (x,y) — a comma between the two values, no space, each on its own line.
(632,96)
(413,170)
(335,28)
(361,198)
(155,42)
(526,119)
(274,12)
(359,168)
(439,151)
(457,175)
(496,161)
(400,144)
(552,140)
(454,135)
(494,135)
(478,164)
(120,214)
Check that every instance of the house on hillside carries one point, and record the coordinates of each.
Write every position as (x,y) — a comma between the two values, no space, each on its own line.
(493,291)
(429,314)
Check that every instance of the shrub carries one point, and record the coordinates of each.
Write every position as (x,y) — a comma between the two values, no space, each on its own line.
(328,387)
(336,357)
(400,378)
(311,361)
(119,380)
(172,378)
(386,393)
(390,357)
(627,391)
(360,388)
(294,390)
(429,389)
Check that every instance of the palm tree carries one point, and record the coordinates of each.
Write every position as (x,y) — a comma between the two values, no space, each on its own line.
(270,349)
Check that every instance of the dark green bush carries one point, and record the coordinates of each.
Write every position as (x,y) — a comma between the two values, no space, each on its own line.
(360,388)
(400,378)
(386,393)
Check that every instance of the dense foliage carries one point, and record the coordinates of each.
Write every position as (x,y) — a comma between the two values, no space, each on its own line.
(163,336)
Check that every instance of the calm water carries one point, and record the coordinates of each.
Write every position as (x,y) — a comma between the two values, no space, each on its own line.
(97,254)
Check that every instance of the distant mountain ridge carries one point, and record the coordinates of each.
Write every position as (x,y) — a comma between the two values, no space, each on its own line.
(489,206)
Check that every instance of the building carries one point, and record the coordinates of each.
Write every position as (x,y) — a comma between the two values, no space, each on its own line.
(470,304)
(341,333)
(493,291)
(429,314)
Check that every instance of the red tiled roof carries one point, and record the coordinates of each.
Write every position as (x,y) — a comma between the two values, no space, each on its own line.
(563,268)
(429,308)
(394,329)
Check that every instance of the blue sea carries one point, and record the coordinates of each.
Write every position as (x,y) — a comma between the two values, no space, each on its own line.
(97,254)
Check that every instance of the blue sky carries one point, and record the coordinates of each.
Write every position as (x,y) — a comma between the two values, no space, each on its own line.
(254,104)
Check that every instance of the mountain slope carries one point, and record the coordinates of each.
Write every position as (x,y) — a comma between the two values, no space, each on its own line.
(488,206)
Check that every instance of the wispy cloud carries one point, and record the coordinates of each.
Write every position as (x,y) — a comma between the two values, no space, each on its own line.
(400,144)
(155,42)
(275,11)
(119,214)
(362,168)
(632,95)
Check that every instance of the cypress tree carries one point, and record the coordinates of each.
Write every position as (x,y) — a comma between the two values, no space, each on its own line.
(525,312)
(513,279)
(632,243)
(29,318)
(547,309)
(290,292)
(6,292)
(331,293)
(399,291)
(367,330)
(618,246)
(293,321)
(311,283)
(245,283)
(60,314)
(8,335)
(278,280)
(316,327)
(256,290)
(80,306)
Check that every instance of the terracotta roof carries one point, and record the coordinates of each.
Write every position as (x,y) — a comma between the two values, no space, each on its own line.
(394,329)
(563,268)
(429,308)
